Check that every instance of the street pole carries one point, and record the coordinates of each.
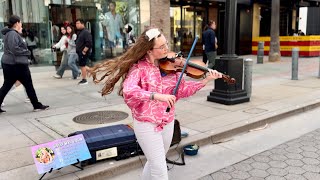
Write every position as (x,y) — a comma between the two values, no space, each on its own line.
(229,64)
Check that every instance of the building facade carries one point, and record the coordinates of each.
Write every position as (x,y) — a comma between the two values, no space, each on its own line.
(43,18)
(298,27)
(180,20)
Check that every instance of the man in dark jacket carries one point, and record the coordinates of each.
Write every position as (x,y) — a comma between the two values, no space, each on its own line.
(15,63)
(209,42)
(83,48)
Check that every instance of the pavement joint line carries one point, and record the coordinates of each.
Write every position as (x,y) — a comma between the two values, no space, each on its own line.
(49,127)
(22,133)
(238,151)
(37,126)
(204,140)
(36,123)
(49,132)
(57,110)
(16,168)
(8,150)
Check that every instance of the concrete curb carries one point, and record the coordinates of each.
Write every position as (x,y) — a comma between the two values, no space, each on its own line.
(199,139)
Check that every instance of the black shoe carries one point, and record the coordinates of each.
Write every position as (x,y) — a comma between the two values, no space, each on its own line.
(75,78)
(83,82)
(42,107)
(2,111)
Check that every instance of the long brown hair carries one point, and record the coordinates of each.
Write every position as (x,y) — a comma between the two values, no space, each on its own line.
(111,70)
(72,30)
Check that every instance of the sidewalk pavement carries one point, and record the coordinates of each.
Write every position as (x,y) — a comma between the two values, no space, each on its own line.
(274,96)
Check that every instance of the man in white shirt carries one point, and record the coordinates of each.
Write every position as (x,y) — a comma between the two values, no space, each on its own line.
(114,24)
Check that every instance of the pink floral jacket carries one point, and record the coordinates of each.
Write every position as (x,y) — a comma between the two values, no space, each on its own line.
(145,78)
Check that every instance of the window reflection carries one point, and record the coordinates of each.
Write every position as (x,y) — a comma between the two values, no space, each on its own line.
(187,22)
(44,19)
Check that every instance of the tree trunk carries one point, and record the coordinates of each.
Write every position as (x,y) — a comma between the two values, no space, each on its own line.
(274,53)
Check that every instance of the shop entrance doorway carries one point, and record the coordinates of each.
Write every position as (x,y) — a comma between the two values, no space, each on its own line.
(187,22)
(63,15)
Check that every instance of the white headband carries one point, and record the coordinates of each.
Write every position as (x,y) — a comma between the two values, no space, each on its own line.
(152,33)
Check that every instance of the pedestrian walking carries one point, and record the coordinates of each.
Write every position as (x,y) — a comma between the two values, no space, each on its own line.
(32,42)
(15,63)
(114,24)
(148,92)
(204,56)
(129,34)
(209,41)
(83,48)
(62,45)
(71,52)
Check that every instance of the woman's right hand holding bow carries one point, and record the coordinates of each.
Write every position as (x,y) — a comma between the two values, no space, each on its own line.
(168,98)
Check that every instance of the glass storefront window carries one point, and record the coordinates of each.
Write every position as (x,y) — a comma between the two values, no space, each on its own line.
(114,16)
(43,18)
(3,15)
(176,31)
(34,18)
(187,22)
(104,18)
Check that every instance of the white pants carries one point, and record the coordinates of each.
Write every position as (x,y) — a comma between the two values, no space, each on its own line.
(155,146)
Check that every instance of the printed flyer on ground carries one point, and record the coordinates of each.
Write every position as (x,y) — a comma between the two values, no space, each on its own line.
(60,153)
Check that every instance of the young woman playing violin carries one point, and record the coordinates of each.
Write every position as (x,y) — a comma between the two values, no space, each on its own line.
(148,92)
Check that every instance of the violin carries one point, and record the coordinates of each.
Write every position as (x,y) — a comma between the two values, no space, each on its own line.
(195,69)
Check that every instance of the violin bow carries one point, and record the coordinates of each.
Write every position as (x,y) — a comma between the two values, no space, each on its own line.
(183,70)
